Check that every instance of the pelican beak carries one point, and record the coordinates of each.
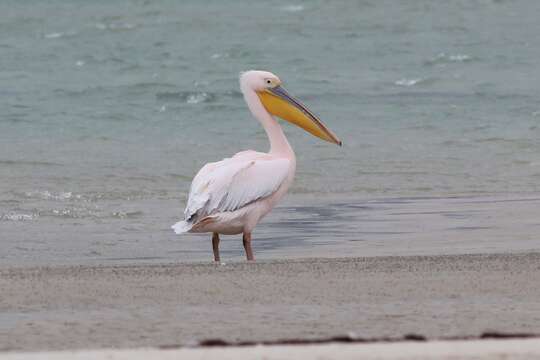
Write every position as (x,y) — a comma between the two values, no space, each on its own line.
(278,102)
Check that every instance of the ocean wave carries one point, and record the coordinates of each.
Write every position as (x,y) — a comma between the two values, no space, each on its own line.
(169,95)
(79,211)
(116,26)
(30,163)
(292,8)
(91,197)
(89,213)
(197,98)
(499,139)
(443,58)
(47,195)
(409,82)
(71,213)
(187,96)
(216,56)
(54,35)
(14,216)
(136,88)
(16,119)
(58,35)
(127,214)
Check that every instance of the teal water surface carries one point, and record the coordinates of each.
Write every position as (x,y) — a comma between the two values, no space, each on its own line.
(108,109)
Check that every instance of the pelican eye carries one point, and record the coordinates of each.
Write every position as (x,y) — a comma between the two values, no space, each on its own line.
(268,81)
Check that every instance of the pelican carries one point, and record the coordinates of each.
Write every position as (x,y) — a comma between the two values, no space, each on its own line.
(232,195)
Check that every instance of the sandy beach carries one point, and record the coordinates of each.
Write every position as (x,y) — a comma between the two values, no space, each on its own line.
(82,307)
(523,349)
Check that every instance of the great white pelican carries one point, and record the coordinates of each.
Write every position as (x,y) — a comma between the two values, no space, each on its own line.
(231,196)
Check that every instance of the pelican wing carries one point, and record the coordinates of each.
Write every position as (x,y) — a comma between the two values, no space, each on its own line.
(232,183)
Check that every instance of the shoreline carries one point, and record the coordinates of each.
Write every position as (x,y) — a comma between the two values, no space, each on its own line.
(130,263)
(294,230)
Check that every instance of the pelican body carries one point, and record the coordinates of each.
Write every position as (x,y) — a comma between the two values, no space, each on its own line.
(232,195)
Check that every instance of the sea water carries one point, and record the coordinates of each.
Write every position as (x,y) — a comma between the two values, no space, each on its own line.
(109,108)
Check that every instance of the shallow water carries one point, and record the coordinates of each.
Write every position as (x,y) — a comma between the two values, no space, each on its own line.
(107,110)
(378,227)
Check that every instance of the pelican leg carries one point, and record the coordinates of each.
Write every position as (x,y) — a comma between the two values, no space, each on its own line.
(215,246)
(247,246)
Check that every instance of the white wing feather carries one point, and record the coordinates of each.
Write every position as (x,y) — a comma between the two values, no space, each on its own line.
(232,183)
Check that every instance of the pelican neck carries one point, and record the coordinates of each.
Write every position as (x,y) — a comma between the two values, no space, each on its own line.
(279,145)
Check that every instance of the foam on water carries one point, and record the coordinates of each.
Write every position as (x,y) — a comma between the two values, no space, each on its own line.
(197,98)
(443,58)
(47,195)
(12,216)
(292,8)
(54,35)
(408,82)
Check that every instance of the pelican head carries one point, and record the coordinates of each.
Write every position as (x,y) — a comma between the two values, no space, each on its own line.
(278,102)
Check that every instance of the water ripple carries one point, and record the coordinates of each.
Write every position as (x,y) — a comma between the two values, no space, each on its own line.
(15,216)
(444,58)
(292,8)
(28,162)
(408,82)
(187,96)
(47,195)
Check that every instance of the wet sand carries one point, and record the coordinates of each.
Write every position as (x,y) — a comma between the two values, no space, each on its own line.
(81,307)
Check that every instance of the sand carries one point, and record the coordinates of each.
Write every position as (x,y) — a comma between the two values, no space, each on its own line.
(441,350)
(86,307)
